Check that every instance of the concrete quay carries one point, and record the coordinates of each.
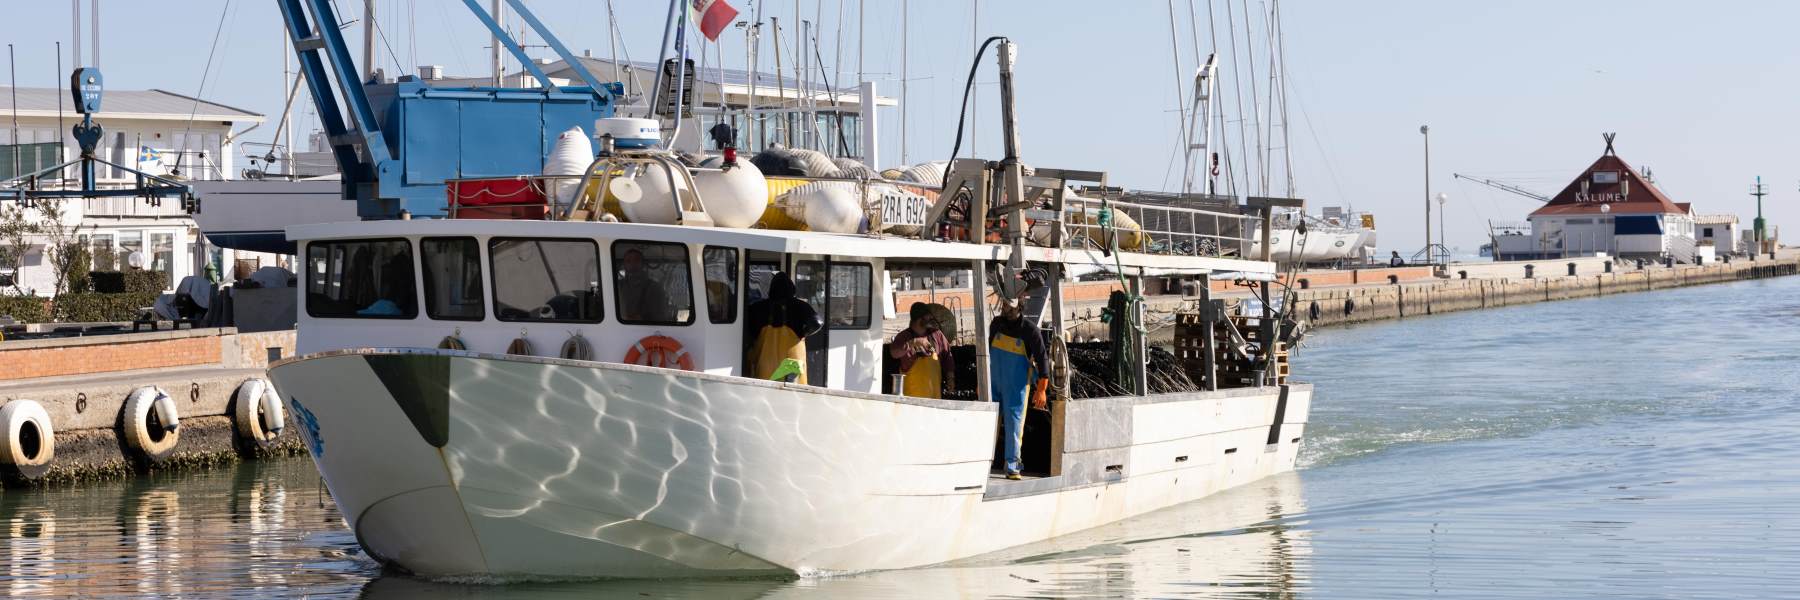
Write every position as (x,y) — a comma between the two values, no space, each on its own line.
(1340,305)
(83,386)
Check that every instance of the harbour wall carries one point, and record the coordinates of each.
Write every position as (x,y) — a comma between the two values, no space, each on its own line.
(83,384)
(1358,304)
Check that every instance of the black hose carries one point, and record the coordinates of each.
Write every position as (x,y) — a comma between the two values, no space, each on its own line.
(963,115)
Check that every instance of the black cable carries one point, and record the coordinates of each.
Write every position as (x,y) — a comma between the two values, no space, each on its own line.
(843,143)
(964,114)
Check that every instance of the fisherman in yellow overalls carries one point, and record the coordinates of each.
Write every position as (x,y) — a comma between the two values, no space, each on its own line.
(924,355)
(780,324)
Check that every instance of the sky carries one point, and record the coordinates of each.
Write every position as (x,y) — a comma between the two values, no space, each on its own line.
(1521,91)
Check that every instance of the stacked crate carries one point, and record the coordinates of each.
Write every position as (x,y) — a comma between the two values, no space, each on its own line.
(1234,369)
(1191,345)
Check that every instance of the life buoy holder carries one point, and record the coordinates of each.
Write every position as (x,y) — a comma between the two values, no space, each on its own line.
(27,441)
(150,425)
(257,416)
(659,351)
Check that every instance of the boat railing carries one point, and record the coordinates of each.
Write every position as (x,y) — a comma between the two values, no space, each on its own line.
(1163,229)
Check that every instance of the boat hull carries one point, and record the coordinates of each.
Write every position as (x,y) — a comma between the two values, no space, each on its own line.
(457,464)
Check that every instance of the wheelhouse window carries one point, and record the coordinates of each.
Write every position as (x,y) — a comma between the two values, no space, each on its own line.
(720,266)
(546,280)
(848,288)
(652,283)
(452,278)
(360,279)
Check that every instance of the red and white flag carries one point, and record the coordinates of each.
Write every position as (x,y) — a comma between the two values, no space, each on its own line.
(713,16)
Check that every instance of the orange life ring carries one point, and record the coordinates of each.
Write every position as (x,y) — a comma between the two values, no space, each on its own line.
(659,351)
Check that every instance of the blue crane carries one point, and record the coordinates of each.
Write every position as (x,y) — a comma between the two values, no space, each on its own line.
(397,143)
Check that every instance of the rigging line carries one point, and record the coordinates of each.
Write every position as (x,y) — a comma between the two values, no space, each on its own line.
(625,49)
(444,18)
(1237,92)
(181,153)
(1323,158)
(1256,120)
(1287,159)
(837,110)
(1181,124)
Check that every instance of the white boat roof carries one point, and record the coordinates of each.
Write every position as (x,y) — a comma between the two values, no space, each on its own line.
(773,240)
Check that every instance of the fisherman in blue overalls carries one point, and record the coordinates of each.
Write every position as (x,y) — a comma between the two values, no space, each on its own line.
(1017,368)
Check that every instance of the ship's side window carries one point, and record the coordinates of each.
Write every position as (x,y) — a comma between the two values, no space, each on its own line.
(720,265)
(847,286)
(361,279)
(652,284)
(546,280)
(850,296)
(452,270)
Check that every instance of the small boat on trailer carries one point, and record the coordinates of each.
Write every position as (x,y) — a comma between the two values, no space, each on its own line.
(566,395)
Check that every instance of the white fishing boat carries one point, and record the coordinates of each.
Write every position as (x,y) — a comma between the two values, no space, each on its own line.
(553,379)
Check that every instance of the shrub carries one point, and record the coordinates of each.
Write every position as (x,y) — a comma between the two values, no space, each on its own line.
(92,307)
(132,281)
(26,309)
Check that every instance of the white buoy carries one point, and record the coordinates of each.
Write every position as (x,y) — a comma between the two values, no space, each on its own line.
(570,157)
(656,203)
(734,197)
(829,206)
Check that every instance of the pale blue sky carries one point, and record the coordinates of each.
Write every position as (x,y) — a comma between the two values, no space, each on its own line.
(1700,92)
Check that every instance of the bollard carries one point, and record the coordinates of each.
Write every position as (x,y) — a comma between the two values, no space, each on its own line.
(1305,284)
(1669,261)
(1528,270)
(1394,279)
(1571,269)
(1462,274)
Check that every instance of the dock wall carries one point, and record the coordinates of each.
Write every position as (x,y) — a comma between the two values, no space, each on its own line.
(83,384)
(1357,304)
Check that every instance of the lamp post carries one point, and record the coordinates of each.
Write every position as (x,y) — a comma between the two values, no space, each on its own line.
(1443,244)
(1606,210)
(1425,130)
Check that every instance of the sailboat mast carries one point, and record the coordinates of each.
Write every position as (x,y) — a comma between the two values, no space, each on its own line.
(1181,123)
(904,105)
(1287,153)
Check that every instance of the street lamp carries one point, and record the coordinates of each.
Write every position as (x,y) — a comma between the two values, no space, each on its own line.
(1425,130)
(1443,244)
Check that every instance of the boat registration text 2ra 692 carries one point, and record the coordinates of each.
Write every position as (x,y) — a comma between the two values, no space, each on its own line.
(899,207)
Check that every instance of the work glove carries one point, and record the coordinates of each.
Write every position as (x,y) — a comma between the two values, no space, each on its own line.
(1040,398)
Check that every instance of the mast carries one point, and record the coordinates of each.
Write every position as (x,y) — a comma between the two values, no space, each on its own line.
(94,25)
(287,114)
(781,86)
(1287,152)
(499,69)
(975,92)
(904,160)
(75,25)
(368,56)
(1181,122)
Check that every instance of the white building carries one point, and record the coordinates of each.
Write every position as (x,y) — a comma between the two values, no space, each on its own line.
(1609,209)
(155,131)
(1718,231)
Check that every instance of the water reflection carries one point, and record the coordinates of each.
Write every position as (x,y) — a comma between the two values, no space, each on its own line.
(1238,544)
(226,532)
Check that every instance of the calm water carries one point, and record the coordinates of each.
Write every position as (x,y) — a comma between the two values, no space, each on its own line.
(1640,446)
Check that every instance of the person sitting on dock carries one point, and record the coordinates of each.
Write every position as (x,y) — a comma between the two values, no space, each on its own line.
(1016,361)
(780,325)
(924,355)
(1396,261)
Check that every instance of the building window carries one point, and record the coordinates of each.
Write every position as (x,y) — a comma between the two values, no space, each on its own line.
(652,283)
(1708,232)
(1606,177)
(546,280)
(720,265)
(360,279)
(844,297)
(162,257)
(452,278)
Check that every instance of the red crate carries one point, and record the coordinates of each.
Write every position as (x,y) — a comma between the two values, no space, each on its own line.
(497,198)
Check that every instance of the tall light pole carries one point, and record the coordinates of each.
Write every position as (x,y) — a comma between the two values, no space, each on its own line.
(1425,130)
(1443,231)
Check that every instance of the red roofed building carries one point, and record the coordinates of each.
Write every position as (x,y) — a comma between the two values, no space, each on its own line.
(1609,209)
